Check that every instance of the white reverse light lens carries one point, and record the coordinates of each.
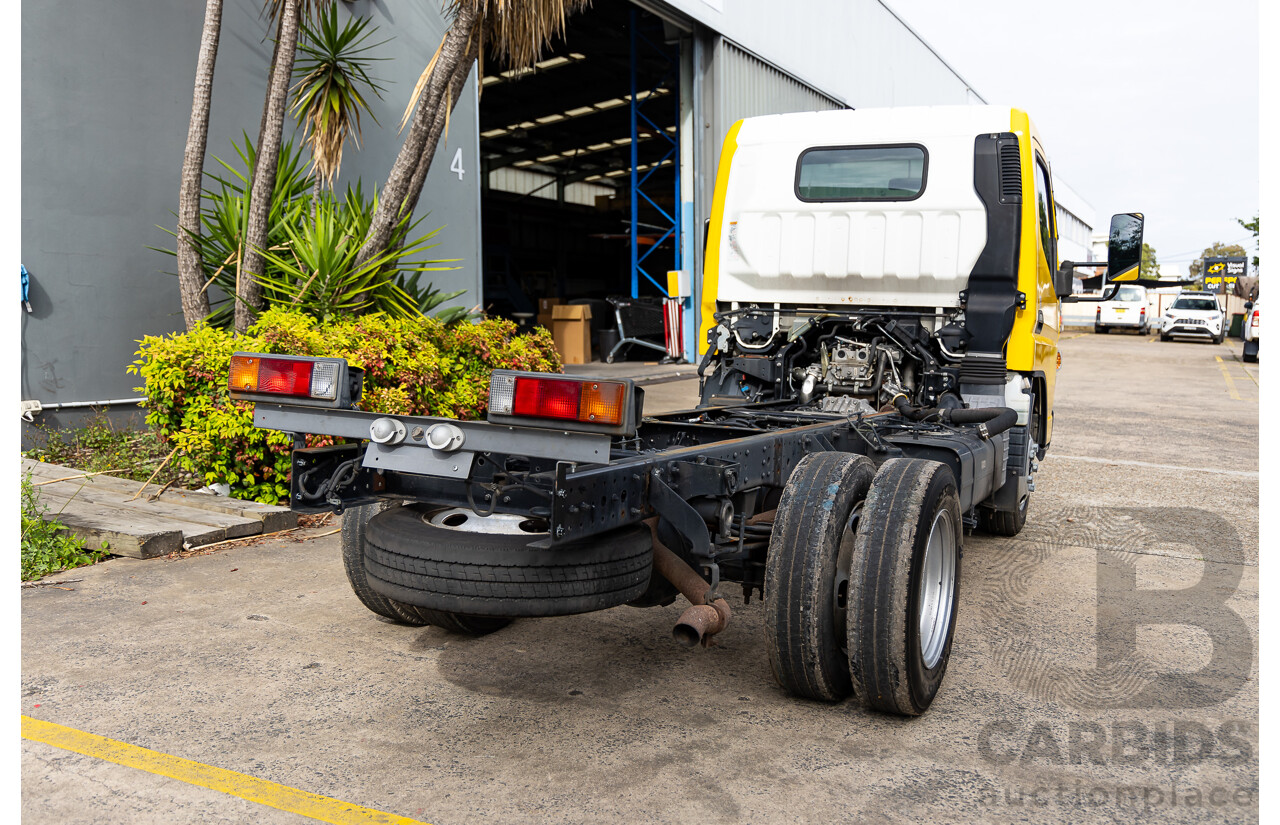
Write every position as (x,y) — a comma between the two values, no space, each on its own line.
(502,393)
(324,380)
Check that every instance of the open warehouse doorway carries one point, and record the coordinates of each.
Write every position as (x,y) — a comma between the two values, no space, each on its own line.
(581,164)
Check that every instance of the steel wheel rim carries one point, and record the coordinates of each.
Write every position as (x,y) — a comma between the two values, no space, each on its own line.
(463,520)
(937,588)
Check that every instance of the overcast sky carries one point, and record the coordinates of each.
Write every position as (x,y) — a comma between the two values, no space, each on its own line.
(1143,106)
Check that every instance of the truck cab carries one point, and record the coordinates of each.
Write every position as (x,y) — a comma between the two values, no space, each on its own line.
(937,220)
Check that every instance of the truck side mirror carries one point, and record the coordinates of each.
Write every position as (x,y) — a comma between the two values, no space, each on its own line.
(1248,304)
(1124,247)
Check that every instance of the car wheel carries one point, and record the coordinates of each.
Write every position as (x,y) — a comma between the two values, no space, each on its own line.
(1164,337)
(904,586)
(1100,330)
(806,584)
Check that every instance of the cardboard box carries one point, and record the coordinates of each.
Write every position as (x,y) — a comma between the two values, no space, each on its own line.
(571,331)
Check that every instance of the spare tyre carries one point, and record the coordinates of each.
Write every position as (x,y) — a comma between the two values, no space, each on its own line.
(453,560)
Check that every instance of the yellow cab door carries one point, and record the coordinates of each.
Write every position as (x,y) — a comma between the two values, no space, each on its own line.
(1033,345)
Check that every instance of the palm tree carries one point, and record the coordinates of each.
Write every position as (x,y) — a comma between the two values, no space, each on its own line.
(195,301)
(334,67)
(516,31)
(249,290)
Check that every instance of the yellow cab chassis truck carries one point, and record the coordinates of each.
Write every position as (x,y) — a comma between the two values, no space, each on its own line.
(882,324)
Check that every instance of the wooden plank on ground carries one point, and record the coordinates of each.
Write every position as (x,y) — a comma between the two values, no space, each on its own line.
(136,536)
(273,518)
(232,526)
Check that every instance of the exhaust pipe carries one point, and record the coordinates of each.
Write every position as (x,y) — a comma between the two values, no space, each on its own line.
(700,621)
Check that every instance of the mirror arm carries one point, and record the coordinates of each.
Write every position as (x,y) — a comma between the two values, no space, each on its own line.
(1082,299)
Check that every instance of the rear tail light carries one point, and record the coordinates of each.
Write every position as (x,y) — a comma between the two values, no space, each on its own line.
(1142,313)
(1099,310)
(539,399)
(326,382)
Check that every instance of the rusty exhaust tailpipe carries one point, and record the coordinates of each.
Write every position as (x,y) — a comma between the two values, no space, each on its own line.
(701,621)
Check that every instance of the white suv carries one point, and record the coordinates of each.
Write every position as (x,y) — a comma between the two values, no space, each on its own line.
(1250,332)
(1127,310)
(1195,315)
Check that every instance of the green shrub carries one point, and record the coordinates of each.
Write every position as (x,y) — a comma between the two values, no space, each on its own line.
(413,366)
(47,547)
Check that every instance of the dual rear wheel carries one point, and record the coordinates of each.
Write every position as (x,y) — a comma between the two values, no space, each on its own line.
(862,581)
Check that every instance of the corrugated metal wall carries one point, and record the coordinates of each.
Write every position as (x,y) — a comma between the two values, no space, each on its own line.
(746,86)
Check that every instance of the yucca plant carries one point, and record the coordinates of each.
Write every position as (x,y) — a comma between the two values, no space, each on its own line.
(309,263)
(316,270)
(334,69)
(225,213)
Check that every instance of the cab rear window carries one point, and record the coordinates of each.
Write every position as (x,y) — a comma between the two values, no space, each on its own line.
(862,173)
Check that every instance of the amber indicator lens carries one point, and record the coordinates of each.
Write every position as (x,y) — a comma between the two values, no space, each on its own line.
(244,373)
(602,402)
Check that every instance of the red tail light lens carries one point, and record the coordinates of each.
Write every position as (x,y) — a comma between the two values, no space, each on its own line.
(547,398)
(593,404)
(285,377)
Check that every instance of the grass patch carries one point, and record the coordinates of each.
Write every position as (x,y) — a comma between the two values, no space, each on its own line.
(47,547)
(99,447)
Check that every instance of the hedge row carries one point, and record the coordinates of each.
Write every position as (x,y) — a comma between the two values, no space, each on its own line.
(413,366)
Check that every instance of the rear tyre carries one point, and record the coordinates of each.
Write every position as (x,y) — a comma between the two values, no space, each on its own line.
(1164,337)
(1250,353)
(805,589)
(355,522)
(1100,330)
(904,586)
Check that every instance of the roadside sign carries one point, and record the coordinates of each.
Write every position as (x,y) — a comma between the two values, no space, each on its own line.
(1224,272)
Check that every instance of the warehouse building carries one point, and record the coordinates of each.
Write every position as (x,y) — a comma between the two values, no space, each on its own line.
(588,176)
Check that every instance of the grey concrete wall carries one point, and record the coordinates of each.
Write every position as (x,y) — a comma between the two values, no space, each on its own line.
(106,101)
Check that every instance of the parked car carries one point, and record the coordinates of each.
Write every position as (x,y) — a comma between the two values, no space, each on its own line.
(1195,315)
(1250,332)
(1128,310)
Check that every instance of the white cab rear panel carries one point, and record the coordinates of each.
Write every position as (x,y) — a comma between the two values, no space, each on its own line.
(776,248)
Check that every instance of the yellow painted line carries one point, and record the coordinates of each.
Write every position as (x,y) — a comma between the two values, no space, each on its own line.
(1231,383)
(1069,337)
(241,785)
(1244,368)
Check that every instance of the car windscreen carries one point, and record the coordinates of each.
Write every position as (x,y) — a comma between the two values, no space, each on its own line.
(1131,293)
(1195,303)
(861,173)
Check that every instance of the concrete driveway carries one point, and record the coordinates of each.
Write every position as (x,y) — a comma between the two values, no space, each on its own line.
(1104,670)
